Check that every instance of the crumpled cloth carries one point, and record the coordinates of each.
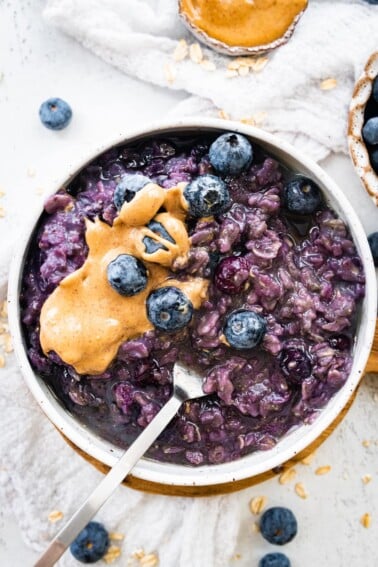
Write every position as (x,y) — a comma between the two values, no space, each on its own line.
(332,41)
(39,472)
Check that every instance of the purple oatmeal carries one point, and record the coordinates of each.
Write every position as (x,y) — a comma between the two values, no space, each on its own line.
(301,274)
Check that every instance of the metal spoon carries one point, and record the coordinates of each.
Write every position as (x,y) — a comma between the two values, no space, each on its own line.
(186,385)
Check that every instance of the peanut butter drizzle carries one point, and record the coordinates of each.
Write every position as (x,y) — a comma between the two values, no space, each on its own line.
(244,23)
(85,320)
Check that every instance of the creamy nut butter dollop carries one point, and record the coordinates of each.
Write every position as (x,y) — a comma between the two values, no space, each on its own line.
(243,22)
(85,320)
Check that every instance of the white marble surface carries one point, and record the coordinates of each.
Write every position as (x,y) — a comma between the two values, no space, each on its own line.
(37,63)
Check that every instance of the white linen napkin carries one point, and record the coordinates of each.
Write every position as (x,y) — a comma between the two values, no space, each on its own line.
(332,41)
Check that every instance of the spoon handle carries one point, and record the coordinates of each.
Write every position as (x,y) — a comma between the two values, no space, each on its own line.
(108,485)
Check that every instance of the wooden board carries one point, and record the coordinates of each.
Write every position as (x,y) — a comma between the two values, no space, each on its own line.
(156,488)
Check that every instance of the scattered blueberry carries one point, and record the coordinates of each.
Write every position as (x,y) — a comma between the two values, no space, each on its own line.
(372,1)
(274,560)
(127,275)
(295,364)
(244,329)
(370,131)
(55,113)
(153,245)
(302,196)
(169,309)
(231,274)
(91,544)
(130,184)
(230,154)
(340,342)
(375,84)
(373,243)
(207,195)
(278,525)
(374,159)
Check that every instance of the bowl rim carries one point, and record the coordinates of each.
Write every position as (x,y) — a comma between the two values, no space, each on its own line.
(255,463)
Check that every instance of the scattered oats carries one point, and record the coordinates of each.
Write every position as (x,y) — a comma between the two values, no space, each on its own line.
(235,64)
(259,64)
(115,536)
(230,73)
(4,309)
(300,490)
(257,504)
(287,476)
(112,554)
(323,470)
(195,53)
(237,556)
(31,172)
(366,520)
(223,114)
(328,84)
(255,527)
(8,346)
(55,516)
(138,554)
(2,361)
(259,117)
(149,560)
(181,51)
(308,459)
(208,65)
(170,73)
(2,212)
(367,478)
(243,71)
(248,120)
(2,193)
(366,443)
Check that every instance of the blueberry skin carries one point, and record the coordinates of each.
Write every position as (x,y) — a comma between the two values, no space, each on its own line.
(130,184)
(374,159)
(275,560)
(230,154)
(375,84)
(207,195)
(278,525)
(370,131)
(151,244)
(373,243)
(302,196)
(244,329)
(91,544)
(55,113)
(127,275)
(169,309)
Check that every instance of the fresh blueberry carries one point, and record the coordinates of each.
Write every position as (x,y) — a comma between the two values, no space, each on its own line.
(127,275)
(302,196)
(153,245)
(278,525)
(91,544)
(169,309)
(230,154)
(374,159)
(370,131)
(130,184)
(274,560)
(55,113)
(244,329)
(372,1)
(231,274)
(340,342)
(373,243)
(295,364)
(375,84)
(207,195)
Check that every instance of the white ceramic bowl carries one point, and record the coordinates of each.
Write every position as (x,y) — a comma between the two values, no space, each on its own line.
(291,443)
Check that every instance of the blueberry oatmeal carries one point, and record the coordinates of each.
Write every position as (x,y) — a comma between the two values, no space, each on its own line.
(200,249)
